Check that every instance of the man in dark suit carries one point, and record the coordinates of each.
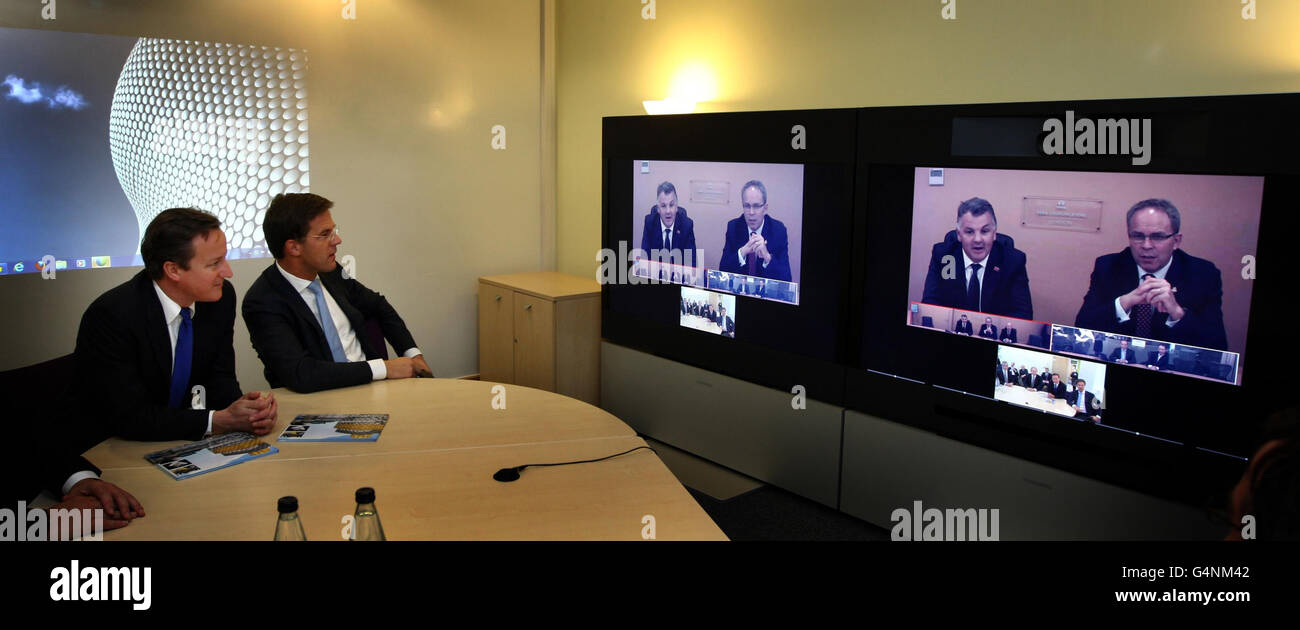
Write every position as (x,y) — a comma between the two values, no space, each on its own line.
(146,346)
(1086,408)
(727,324)
(964,326)
(1153,289)
(1123,354)
(668,234)
(1002,373)
(988,330)
(1055,389)
(1008,333)
(976,268)
(756,243)
(1035,381)
(306,320)
(1160,358)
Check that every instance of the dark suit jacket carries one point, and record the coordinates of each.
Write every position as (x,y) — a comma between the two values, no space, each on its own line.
(1004,290)
(778,245)
(968,329)
(1200,293)
(652,236)
(1008,334)
(1057,390)
(1154,358)
(1002,374)
(38,401)
(124,356)
(289,339)
(1089,402)
(1129,355)
(988,331)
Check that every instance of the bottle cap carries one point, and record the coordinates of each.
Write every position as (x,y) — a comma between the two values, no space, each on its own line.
(287,505)
(365,495)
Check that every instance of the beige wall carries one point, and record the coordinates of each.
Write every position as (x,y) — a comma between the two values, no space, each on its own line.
(1059,262)
(402,101)
(787,54)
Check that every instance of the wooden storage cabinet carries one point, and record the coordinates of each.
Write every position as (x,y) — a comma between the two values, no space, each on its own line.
(541,330)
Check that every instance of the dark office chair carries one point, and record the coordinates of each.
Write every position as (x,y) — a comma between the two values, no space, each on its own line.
(927,321)
(55,382)
(1036,340)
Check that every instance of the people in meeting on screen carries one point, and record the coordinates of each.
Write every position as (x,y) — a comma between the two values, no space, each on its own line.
(1002,373)
(1159,359)
(307,320)
(727,324)
(1153,289)
(1123,354)
(978,269)
(988,330)
(964,326)
(1008,333)
(1024,379)
(668,230)
(149,343)
(1055,389)
(756,243)
(1086,406)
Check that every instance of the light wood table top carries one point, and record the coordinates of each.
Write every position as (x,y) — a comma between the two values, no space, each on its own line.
(432,473)
(423,414)
(1035,399)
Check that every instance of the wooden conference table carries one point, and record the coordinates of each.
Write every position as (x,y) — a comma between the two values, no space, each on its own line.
(1020,396)
(431,470)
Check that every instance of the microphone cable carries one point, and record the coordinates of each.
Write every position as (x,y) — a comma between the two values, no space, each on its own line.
(511,474)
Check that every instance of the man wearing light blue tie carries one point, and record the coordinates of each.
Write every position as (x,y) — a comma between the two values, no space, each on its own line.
(313,328)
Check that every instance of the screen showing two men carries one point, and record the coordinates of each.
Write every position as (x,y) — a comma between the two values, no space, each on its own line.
(725,226)
(1135,269)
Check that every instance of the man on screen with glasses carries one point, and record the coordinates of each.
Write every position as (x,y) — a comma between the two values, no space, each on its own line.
(1153,289)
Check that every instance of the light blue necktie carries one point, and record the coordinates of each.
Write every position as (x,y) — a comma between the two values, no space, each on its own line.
(327,323)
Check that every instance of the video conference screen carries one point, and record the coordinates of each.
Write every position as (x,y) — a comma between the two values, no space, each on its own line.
(1129,269)
(708,311)
(103,132)
(728,227)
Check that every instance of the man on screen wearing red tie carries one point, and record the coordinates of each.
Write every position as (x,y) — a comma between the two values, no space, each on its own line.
(756,243)
(1153,289)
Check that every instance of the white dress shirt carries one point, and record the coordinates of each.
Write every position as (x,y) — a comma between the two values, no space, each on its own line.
(969,270)
(1123,315)
(347,336)
(172,315)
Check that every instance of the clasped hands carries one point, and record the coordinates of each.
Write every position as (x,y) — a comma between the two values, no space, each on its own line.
(756,245)
(1158,293)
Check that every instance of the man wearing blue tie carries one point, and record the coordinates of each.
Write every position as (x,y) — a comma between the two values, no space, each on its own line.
(156,352)
(308,322)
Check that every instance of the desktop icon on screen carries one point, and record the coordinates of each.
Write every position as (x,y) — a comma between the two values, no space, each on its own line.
(18,267)
(60,265)
(81,263)
(4,268)
(100,262)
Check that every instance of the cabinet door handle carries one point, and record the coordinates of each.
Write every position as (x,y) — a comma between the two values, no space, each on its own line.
(498,298)
(528,307)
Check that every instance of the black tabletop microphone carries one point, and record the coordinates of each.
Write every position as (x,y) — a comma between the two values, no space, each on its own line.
(512,474)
